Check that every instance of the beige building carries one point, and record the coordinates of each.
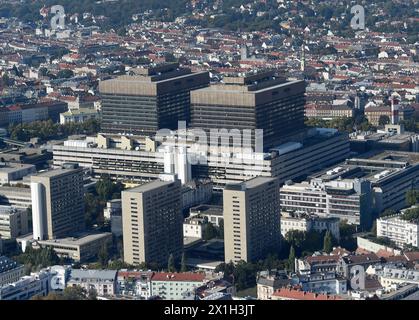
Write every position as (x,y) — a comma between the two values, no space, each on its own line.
(13,222)
(57,203)
(251,219)
(152,222)
(80,247)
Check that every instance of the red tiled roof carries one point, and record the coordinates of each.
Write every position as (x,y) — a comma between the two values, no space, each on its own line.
(184,276)
(302,295)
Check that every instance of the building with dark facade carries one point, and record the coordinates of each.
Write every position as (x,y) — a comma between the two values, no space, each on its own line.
(256,101)
(149,99)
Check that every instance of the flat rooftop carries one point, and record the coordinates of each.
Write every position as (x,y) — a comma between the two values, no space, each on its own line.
(250,184)
(149,186)
(78,239)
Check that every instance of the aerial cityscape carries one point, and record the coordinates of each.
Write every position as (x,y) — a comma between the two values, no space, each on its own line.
(216,150)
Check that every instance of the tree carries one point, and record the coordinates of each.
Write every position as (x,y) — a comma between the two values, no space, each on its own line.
(74,293)
(383,120)
(291,259)
(210,231)
(327,242)
(103,256)
(92,294)
(65,74)
(412,197)
(183,267)
(388,212)
(171,264)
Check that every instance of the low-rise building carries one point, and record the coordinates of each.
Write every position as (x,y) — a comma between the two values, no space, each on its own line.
(10,271)
(113,214)
(79,248)
(193,227)
(13,222)
(392,274)
(297,294)
(102,281)
(306,222)
(175,286)
(37,284)
(399,229)
(213,213)
(270,281)
(322,282)
(135,283)
(14,171)
(78,115)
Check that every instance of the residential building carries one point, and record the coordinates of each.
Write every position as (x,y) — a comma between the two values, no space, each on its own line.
(104,282)
(212,213)
(57,203)
(37,284)
(193,227)
(398,229)
(113,214)
(392,274)
(270,281)
(251,219)
(13,222)
(175,286)
(135,283)
(306,222)
(297,294)
(152,222)
(78,116)
(10,271)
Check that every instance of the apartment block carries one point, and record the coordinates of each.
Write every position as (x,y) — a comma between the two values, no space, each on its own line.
(57,203)
(152,222)
(251,219)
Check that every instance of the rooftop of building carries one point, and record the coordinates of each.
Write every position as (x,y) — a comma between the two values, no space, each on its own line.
(178,277)
(7,264)
(149,186)
(250,184)
(295,294)
(54,172)
(99,275)
(13,167)
(77,240)
(207,209)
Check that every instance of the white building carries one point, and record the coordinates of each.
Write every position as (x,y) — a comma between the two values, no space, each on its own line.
(175,286)
(27,287)
(193,227)
(402,232)
(113,214)
(390,275)
(304,222)
(10,271)
(78,115)
(102,281)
